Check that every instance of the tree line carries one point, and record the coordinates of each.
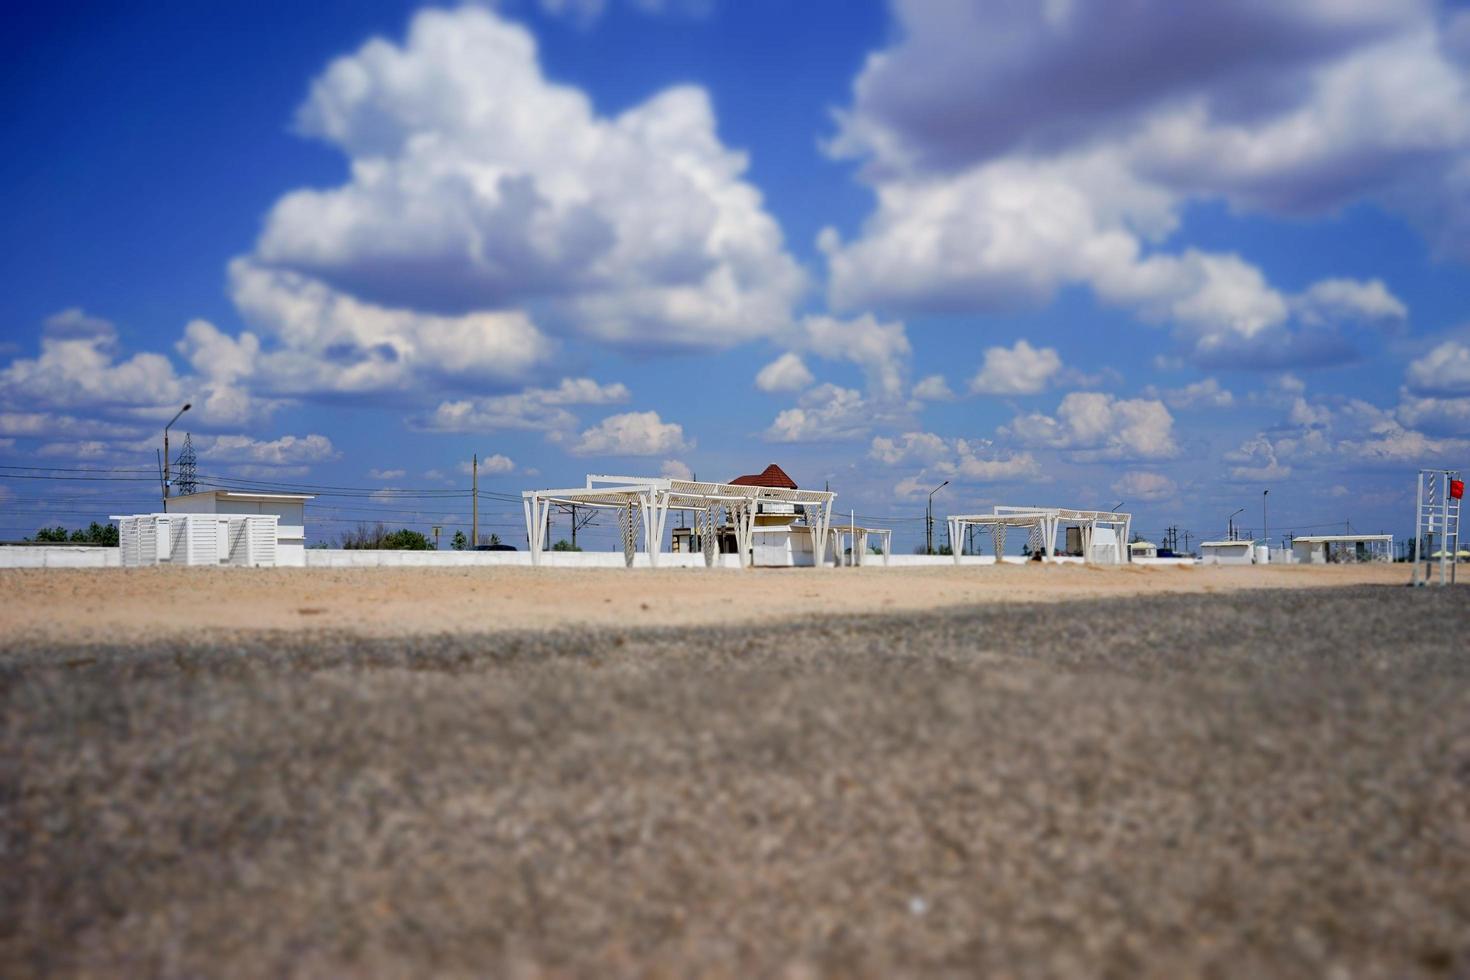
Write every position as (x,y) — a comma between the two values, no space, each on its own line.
(104,535)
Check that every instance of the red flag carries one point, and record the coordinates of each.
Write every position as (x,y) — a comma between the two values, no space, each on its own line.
(1457,489)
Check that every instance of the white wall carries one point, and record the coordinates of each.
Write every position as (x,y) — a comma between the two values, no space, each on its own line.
(367,558)
(1226,556)
(59,556)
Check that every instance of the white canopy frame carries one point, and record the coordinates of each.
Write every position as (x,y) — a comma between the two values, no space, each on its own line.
(856,546)
(1043,522)
(997,524)
(649,500)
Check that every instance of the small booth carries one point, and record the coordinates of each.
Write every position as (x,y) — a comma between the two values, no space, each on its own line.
(1227,552)
(289,510)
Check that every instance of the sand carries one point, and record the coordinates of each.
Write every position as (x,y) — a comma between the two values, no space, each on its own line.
(1260,782)
(95,605)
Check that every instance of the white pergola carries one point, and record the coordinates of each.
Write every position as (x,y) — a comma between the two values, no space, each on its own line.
(643,504)
(1041,524)
(857,542)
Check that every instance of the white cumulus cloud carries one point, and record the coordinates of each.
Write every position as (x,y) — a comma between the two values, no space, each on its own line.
(632,434)
(785,373)
(1099,426)
(1018,370)
(534,408)
(478,184)
(1444,370)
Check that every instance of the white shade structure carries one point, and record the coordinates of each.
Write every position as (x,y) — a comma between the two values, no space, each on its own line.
(1102,532)
(643,504)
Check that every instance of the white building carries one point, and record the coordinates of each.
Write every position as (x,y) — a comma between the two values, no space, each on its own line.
(1322,549)
(1227,552)
(1143,549)
(288,508)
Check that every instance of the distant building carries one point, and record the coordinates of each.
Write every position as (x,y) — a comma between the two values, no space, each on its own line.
(289,509)
(1322,549)
(1143,549)
(1227,552)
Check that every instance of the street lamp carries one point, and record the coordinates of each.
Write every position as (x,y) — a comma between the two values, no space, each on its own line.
(167,487)
(1230,524)
(929,520)
(1265,531)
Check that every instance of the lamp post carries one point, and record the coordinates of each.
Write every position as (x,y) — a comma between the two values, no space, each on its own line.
(1230,524)
(1265,531)
(929,520)
(167,486)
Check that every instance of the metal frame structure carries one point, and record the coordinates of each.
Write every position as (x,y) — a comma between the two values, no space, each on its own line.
(643,505)
(857,542)
(1042,522)
(1436,511)
(1042,531)
(1376,547)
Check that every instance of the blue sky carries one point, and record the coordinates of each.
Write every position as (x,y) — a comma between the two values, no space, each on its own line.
(1050,252)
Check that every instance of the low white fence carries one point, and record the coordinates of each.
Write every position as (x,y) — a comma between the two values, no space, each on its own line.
(58,556)
(367,558)
(75,556)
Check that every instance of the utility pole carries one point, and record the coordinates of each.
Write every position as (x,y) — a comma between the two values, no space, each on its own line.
(437,529)
(1186,543)
(474,501)
(929,520)
(171,421)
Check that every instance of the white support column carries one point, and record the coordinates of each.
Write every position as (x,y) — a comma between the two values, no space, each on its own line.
(545,523)
(1126,554)
(742,515)
(887,546)
(956,533)
(655,528)
(709,531)
(825,510)
(528,504)
(815,519)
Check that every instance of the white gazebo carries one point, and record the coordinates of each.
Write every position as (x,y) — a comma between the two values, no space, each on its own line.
(642,505)
(1101,532)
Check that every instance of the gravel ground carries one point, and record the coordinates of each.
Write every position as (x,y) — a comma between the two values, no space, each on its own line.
(1266,783)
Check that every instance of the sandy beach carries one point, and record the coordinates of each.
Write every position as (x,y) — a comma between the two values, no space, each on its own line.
(92,605)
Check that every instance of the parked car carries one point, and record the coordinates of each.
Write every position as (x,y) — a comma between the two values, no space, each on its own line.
(495,547)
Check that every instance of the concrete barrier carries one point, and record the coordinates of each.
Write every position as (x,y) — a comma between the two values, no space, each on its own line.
(69,556)
(58,556)
(355,558)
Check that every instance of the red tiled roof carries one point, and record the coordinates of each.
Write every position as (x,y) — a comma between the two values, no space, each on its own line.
(771,476)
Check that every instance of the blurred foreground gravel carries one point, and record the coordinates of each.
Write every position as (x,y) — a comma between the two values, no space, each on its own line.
(1269,783)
